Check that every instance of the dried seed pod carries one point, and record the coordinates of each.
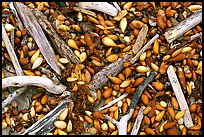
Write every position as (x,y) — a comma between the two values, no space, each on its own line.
(60,124)
(111,125)
(107,93)
(40,6)
(124,107)
(127,72)
(44,99)
(137,24)
(72,44)
(34,56)
(169,125)
(4,124)
(172,131)
(138,81)
(92,131)
(39,108)
(156,47)
(113,108)
(83,56)
(158,85)
(163,104)
(112,58)
(180,114)
(174,103)
(88,119)
(160,22)
(63,114)
(125,84)
(149,131)
(115,80)
(9,27)
(104,126)
(142,69)
(61,132)
(5,5)
(155,67)
(160,116)
(90,99)
(69,126)
(97,125)
(123,24)
(171,112)
(143,56)
(108,42)
(98,114)
(147,120)
(147,110)
(145,99)
(193,108)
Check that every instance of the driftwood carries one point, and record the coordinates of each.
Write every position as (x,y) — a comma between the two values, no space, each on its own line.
(104,7)
(37,33)
(139,52)
(140,39)
(138,121)
(113,101)
(19,81)
(59,44)
(122,124)
(11,53)
(180,96)
(178,30)
(45,125)
(20,24)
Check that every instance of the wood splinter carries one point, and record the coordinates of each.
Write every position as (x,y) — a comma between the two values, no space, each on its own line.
(19,81)
(181,28)
(122,124)
(180,96)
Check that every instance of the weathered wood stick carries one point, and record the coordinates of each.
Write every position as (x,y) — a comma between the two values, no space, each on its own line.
(140,39)
(104,7)
(19,81)
(59,44)
(100,78)
(180,96)
(45,125)
(122,124)
(113,101)
(11,53)
(178,30)
(141,88)
(37,33)
(11,97)
(138,121)
(139,52)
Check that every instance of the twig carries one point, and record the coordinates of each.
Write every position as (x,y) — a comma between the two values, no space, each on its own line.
(104,7)
(100,78)
(37,33)
(11,53)
(138,121)
(144,48)
(180,96)
(59,44)
(19,81)
(11,97)
(20,24)
(45,125)
(140,39)
(117,6)
(12,37)
(178,30)
(122,124)
(113,101)
(141,87)
(85,11)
